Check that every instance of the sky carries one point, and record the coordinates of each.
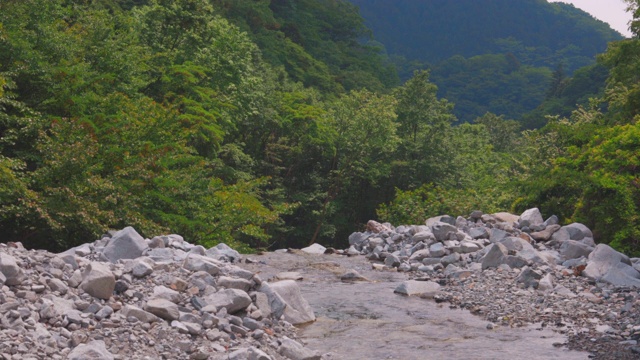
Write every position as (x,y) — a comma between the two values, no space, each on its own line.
(610,11)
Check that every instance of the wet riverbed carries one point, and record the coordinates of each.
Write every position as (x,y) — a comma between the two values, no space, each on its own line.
(366,320)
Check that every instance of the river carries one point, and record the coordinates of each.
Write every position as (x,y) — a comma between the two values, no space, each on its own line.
(367,320)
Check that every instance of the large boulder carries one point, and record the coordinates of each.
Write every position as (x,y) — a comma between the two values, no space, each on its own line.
(506,217)
(531,217)
(136,312)
(12,272)
(223,252)
(441,230)
(578,231)
(480,232)
(495,257)
(497,235)
(375,227)
(545,235)
(98,281)
(529,277)
(163,308)
(195,262)
(607,265)
(233,300)
(125,244)
(315,249)
(425,289)
(286,300)
(358,238)
(293,350)
(94,350)
(572,249)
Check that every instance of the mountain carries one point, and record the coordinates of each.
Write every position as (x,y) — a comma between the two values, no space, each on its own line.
(459,41)
(436,30)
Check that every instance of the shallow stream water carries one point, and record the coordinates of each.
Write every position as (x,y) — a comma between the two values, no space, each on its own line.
(367,320)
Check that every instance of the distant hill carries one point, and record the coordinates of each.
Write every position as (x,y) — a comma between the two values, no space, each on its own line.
(453,38)
(435,30)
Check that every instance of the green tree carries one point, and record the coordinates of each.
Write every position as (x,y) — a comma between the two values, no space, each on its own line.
(365,126)
(424,124)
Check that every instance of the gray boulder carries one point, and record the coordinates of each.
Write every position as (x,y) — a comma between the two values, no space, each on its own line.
(315,249)
(505,217)
(163,292)
(136,312)
(392,260)
(531,217)
(352,276)
(197,263)
(578,231)
(560,236)
(529,277)
(424,236)
(233,300)
(223,252)
(98,281)
(286,300)
(545,235)
(125,244)
(358,238)
(94,350)
(552,220)
(497,235)
(251,353)
(11,271)
(607,265)
(546,283)
(495,257)
(293,350)
(467,247)
(437,250)
(479,233)
(163,308)
(425,289)
(441,230)
(571,249)
(142,266)
(419,255)
(234,283)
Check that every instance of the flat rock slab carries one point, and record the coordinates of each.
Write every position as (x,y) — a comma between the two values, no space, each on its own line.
(424,289)
(289,275)
(233,300)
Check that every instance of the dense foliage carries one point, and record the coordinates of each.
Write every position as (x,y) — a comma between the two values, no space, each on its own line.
(277,123)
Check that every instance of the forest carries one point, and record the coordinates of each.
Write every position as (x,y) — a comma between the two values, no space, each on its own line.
(492,55)
(278,123)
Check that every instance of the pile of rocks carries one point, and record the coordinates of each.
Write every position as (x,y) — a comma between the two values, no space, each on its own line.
(459,246)
(124,296)
(518,270)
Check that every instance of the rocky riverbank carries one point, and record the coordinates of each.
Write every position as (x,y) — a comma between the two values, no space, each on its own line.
(125,297)
(519,270)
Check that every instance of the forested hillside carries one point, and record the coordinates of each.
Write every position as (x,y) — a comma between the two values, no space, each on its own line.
(275,123)
(489,55)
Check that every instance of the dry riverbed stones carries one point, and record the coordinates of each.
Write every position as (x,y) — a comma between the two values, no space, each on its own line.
(126,297)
